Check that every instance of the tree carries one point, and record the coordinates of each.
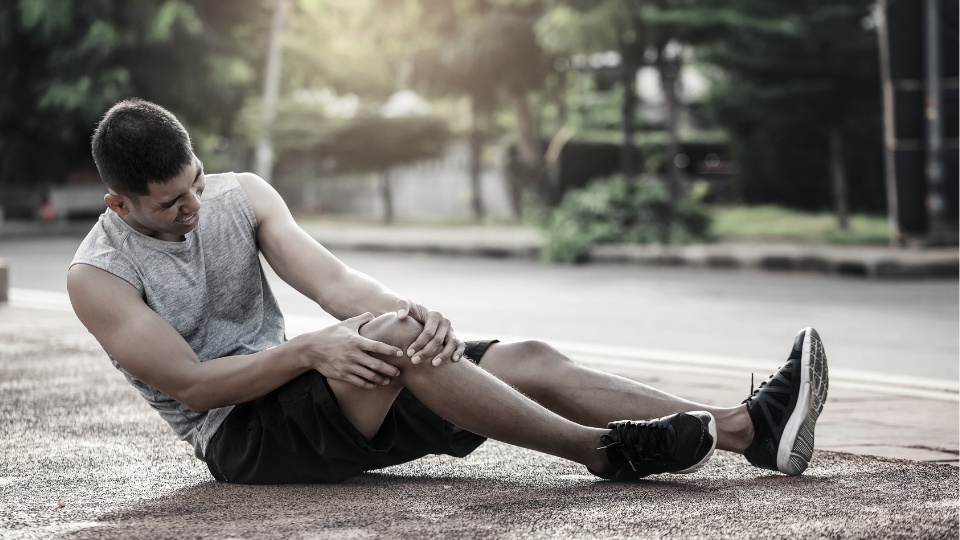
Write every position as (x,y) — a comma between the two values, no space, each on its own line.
(487,50)
(308,140)
(64,62)
(797,90)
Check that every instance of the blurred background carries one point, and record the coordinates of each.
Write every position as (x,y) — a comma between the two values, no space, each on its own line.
(600,121)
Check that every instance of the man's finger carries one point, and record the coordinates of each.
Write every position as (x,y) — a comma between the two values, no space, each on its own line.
(459,352)
(379,347)
(369,374)
(358,381)
(429,331)
(403,308)
(448,350)
(375,364)
(359,320)
(437,345)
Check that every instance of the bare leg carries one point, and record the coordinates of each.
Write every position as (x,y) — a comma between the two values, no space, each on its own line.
(594,398)
(469,397)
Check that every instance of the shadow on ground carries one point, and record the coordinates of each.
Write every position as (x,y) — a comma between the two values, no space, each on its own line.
(84,457)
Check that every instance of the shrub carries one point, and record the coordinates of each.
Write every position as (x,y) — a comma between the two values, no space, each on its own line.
(614,210)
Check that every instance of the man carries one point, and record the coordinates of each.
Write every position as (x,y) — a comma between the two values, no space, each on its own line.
(169,282)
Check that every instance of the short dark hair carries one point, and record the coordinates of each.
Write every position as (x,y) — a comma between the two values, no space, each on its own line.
(138,142)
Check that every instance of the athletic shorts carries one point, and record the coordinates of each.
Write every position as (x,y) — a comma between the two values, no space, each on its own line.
(297,434)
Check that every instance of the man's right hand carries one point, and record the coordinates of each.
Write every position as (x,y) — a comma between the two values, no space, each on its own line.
(339,352)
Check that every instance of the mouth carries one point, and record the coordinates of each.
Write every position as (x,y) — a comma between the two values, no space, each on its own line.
(187,220)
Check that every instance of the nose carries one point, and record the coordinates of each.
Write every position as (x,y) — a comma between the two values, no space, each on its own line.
(191,203)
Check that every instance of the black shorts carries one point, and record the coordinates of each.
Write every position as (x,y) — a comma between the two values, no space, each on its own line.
(297,434)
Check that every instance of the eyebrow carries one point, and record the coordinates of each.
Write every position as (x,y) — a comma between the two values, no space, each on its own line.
(175,199)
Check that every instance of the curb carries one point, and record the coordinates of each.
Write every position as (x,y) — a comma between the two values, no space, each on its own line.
(874,264)
(847,261)
(869,263)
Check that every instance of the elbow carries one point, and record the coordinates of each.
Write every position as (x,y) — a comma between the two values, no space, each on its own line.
(196,400)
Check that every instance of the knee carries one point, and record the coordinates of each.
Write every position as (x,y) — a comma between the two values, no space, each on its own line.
(390,329)
(540,359)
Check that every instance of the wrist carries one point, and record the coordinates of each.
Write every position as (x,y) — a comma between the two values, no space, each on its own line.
(303,359)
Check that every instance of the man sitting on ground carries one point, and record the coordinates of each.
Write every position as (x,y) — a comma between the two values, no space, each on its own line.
(178,299)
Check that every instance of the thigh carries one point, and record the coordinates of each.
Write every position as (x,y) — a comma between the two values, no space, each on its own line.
(365,408)
(532,367)
(295,434)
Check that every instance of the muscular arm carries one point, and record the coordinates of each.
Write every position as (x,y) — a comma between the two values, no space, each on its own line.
(152,351)
(343,292)
(305,264)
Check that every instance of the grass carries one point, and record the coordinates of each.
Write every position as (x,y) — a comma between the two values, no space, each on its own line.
(767,223)
(774,223)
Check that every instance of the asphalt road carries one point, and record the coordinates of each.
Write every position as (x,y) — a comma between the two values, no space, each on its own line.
(82,456)
(904,328)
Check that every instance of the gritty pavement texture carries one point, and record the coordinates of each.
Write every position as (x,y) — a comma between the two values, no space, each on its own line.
(82,456)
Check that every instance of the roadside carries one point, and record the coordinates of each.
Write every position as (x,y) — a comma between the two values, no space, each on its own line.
(869,261)
(521,241)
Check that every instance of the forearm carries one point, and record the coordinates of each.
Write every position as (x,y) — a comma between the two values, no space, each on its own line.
(355,293)
(237,379)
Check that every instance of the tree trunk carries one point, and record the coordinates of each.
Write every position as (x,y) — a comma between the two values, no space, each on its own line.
(838,177)
(386,194)
(475,145)
(889,131)
(669,70)
(529,157)
(627,153)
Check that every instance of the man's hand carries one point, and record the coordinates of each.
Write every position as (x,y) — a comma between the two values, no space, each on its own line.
(437,342)
(340,352)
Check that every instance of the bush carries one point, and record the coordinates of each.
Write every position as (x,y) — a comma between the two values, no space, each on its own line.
(613,210)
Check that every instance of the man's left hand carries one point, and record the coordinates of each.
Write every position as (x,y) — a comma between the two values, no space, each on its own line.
(437,343)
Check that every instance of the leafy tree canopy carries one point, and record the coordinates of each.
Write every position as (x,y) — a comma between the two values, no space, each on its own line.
(64,62)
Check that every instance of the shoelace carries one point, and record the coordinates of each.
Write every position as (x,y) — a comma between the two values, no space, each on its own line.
(753,393)
(643,441)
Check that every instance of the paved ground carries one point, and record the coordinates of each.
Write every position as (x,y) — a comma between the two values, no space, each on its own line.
(82,456)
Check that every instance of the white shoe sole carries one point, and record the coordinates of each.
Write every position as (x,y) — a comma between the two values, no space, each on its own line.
(796,444)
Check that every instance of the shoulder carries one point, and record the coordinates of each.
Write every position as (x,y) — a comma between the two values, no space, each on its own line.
(220,184)
(252,183)
(106,250)
(266,202)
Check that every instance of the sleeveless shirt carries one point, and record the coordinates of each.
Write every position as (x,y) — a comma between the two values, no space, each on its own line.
(210,287)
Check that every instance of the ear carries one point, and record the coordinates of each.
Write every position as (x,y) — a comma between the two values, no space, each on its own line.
(117,203)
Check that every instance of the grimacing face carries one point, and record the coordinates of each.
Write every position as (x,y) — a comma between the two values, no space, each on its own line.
(170,210)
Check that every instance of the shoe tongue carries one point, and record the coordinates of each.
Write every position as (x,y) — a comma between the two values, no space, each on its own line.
(659,439)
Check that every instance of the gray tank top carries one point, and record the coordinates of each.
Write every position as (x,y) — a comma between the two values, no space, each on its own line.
(210,287)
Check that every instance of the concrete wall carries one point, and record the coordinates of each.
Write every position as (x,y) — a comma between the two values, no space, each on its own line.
(434,190)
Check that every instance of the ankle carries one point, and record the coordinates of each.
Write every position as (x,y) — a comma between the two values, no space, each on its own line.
(596,457)
(734,429)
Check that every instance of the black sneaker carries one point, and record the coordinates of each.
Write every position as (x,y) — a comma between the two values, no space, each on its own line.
(784,410)
(680,443)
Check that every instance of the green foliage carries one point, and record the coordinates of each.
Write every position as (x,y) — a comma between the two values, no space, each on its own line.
(63,63)
(614,210)
(788,73)
(766,223)
(305,136)
(479,48)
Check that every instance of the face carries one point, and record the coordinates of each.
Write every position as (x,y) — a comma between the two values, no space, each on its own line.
(170,210)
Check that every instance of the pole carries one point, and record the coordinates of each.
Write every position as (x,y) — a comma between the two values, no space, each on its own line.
(263,166)
(889,131)
(932,74)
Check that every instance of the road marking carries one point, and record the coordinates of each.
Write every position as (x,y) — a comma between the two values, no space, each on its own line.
(40,299)
(638,358)
(615,357)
